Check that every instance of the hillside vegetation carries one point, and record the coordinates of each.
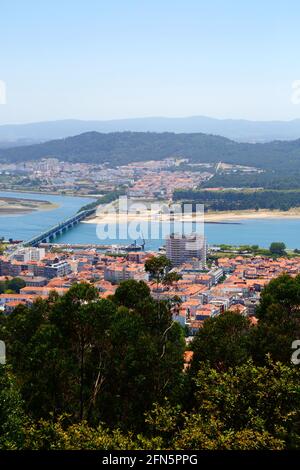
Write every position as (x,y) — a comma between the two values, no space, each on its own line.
(227,200)
(90,373)
(283,179)
(123,147)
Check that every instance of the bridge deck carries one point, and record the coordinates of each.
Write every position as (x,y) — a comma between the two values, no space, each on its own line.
(58,227)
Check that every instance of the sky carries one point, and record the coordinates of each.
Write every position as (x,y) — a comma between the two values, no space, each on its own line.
(108,59)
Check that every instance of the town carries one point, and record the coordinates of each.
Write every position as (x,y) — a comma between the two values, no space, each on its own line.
(203,288)
(149,233)
(148,179)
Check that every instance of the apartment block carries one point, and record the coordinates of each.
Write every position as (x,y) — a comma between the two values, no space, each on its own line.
(181,249)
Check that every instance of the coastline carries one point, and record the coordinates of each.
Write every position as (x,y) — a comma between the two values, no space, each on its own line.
(214,217)
(252,214)
(50,193)
(21,206)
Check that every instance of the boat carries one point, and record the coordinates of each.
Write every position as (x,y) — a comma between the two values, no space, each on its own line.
(135,247)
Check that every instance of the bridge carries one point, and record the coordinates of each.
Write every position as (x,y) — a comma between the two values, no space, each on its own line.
(58,229)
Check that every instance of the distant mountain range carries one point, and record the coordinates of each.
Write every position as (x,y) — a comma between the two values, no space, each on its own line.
(236,129)
(123,147)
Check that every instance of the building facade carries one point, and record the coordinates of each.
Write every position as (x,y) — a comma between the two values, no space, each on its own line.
(181,249)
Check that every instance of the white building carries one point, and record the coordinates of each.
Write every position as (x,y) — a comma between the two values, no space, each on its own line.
(29,254)
(117,273)
(184,248)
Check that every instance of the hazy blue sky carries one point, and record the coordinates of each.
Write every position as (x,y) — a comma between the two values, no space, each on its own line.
(97,59)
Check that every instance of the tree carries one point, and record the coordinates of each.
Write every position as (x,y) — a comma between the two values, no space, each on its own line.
(277,249)
(82,321)
(132,293)
(223,341)
(97,374)
(61,435)
(16,284)
(212,434)
(11,411)
(58,348)
(12,286)
(171,278)
(246,407)
(279,319)
(260,398)
(147,356)
(94,358)
(157,267)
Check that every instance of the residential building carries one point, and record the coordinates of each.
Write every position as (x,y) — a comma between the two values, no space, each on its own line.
(181,249)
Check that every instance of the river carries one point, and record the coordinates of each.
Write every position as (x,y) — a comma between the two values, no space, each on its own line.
(25,226)
(251,231)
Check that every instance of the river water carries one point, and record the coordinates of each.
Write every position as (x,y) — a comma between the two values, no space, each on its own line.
(252,231)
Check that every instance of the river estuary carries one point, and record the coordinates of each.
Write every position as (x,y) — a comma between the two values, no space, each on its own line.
(251,231)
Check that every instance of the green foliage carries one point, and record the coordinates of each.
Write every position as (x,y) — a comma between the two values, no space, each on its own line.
(13,285)
(61,435)
(171,278)
(106,199)
(92,358)
(11,413)
(269,179)
(262,399)
(277,248)
(223,341)
(87,373)
(119,148)
(279,319)
(157,267)
(231,200)
(132,293)
(243,408)
(211,434)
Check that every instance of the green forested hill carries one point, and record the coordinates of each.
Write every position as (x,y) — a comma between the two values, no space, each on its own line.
(123,147)
(228,200)
(270,179)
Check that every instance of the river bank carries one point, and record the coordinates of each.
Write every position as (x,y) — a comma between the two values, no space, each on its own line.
(51,193)
(15,206)
(255,228)
(222,217)
(252,214)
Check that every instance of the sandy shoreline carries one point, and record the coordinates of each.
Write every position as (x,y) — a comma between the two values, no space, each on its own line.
(232,216)
(252,214)
(19,206)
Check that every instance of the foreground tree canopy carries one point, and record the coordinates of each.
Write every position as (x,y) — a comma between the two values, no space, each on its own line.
(93,373)
(99,360)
